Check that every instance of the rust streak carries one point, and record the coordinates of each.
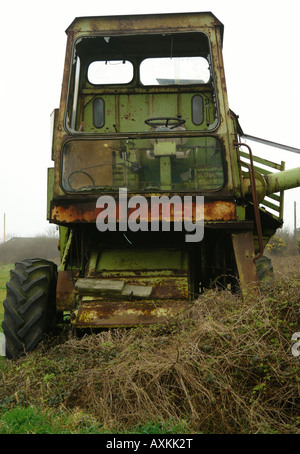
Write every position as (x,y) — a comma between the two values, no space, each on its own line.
(126,313)
(87,212)
(64,290)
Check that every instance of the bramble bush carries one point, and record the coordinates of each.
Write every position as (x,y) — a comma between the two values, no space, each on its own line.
(224,366)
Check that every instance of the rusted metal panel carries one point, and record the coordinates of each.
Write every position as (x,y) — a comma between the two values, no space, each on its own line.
(145,23)
(65,290)
(93,312)
(135,289)
(163,271)
(243,247)
(172,287)
(73,212)
(162,287)
(218,210)
(110,286)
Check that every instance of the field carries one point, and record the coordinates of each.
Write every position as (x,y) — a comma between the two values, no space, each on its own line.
(4,277)
(224,366)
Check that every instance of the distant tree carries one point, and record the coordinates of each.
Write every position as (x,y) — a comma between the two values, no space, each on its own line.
(51,231)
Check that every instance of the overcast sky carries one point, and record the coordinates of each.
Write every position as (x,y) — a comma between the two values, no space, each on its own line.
(262,67)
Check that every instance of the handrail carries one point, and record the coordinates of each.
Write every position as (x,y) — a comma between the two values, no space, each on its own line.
(254,197)
(278,208)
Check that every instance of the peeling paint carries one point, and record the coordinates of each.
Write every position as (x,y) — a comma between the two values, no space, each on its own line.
(126,313)
(85,211)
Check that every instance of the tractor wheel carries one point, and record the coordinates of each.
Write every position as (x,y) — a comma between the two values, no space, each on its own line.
(265,273)
(29,307)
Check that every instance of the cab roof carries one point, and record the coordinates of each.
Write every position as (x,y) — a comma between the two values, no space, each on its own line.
(168,22)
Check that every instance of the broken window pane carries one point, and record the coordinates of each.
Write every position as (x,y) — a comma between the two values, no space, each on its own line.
(110,72)
(174,71)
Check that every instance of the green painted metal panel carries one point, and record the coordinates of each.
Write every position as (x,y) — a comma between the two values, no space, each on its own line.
(128,112)
(50,183)
(147,260)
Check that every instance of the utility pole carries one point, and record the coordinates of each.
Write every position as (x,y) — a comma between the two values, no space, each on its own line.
(4,229)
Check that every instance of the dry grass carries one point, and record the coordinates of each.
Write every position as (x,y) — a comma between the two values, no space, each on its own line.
(286,266)
(225,366)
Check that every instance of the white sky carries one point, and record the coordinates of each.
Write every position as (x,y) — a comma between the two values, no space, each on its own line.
(262,67)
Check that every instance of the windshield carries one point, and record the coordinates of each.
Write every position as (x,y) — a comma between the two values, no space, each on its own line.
(158,164)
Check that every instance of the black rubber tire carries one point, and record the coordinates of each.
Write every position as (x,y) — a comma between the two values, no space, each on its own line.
(265,273)
(29,307)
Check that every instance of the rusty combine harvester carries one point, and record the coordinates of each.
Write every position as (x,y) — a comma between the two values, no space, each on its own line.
(144,110)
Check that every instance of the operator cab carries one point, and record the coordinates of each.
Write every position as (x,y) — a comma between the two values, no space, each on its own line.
(141,109)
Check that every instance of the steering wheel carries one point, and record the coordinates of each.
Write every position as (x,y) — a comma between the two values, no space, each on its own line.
(167,122)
